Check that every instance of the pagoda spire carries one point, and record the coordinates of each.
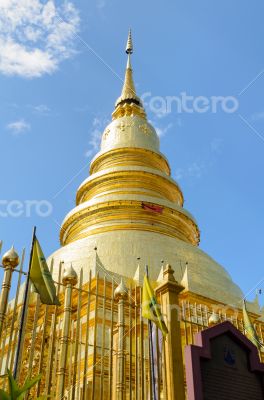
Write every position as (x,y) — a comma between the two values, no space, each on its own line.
(129,46)
(128,94)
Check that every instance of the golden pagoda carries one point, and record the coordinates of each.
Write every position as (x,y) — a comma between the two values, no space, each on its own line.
(129,213)
(128,175)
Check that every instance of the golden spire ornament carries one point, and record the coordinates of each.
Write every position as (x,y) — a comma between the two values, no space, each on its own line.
(129,46)
(128,102)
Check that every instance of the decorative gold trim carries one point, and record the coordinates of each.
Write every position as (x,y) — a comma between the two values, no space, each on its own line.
(128,110)
(115,180)
(127,156)
(115,216)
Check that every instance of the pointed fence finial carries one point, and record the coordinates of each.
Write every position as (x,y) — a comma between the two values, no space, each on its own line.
(10,258)
(213,319)
(121,290)
(69,275)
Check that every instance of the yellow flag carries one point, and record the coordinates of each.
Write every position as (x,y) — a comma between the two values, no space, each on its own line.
(151,308)
(249,328)
(41,277)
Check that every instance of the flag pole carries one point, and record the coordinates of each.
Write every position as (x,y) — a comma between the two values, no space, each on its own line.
(24,308)
(151,352)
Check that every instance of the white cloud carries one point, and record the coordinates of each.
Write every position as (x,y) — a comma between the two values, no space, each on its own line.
(35,36)
(161,114)
(179,174)
(194,170)
(100,4)
(257,116)
(162,130)
(83,108)
(96,136)
(216,145)
(18,127)
(42,109)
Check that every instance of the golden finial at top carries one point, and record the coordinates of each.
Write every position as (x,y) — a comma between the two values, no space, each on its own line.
(128,103)
(129,46)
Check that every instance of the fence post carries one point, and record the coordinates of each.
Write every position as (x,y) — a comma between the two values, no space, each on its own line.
(114,363)
(69,280)
(121,295)
(168,292)
(10,261)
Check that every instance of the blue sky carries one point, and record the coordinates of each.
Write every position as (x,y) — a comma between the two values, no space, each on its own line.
(60,65)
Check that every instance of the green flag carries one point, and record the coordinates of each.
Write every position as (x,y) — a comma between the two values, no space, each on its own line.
(41,277)
(249,328)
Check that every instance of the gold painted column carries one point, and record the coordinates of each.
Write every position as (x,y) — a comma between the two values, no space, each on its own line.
(121,295)
(10,261)
(114,362)
(69,280)
(168,292)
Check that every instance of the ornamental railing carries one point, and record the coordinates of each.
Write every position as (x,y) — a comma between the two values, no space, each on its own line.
(95,345)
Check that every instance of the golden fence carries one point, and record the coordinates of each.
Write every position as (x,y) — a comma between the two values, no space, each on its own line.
(91,343)
(95,345)
(196,317)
